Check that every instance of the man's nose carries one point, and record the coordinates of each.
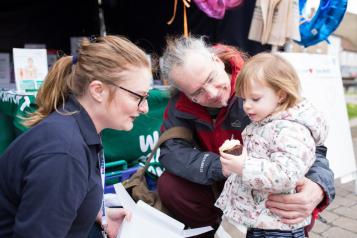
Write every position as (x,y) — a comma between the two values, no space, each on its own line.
(212,91)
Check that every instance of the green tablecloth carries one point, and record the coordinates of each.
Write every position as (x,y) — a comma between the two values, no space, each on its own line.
(122,149)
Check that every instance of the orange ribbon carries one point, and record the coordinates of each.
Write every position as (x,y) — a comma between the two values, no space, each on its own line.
(186,3)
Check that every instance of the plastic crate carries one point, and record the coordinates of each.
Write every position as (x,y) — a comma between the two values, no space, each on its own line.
(120,176)
(117,177)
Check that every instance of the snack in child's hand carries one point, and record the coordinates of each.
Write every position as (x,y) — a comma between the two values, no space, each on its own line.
(232,147)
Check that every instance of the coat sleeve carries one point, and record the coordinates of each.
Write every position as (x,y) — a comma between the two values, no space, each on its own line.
(185,159)
(321,174)
(291,154)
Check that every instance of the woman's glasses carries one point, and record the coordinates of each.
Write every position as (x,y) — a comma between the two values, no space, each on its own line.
(141,97)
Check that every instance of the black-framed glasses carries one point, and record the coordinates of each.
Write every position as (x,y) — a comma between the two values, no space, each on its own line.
(141,97)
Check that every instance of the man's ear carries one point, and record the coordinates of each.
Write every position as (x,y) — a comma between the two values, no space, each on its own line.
(96,90)
(218,60)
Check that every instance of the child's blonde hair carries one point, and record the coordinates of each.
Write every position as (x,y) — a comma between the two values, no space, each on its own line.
(276,72)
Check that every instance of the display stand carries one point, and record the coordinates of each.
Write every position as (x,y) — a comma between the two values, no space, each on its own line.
(322,84)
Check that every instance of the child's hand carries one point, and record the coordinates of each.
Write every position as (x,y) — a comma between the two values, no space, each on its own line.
(233,163)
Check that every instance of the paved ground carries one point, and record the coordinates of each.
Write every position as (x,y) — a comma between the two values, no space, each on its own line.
(341,215)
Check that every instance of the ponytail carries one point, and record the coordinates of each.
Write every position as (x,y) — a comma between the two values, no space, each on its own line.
(53,92)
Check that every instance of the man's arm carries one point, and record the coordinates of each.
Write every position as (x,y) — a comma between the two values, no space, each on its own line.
(183,159)
(321,174)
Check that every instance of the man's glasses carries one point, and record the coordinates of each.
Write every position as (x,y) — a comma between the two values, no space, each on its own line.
(200,94)
(141,97)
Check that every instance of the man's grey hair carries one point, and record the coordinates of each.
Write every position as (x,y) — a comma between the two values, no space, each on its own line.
(176,52)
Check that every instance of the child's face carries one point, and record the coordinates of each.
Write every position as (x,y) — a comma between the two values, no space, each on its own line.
(260,101)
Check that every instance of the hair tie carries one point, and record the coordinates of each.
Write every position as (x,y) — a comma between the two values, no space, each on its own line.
(74,59)
(93,39)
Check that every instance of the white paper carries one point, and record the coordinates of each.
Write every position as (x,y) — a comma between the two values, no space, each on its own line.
(196,231)
(31,68)
(112,200)
(141,225)
(124,197)
(149,222)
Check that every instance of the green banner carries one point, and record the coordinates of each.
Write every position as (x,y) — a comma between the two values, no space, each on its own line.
(13,107)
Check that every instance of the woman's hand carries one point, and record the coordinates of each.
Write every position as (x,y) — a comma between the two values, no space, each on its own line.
(115,217)
(294,208)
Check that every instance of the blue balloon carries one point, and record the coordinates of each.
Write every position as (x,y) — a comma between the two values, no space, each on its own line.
(325,21)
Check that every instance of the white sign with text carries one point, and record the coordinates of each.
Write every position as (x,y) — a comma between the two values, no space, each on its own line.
(321,83)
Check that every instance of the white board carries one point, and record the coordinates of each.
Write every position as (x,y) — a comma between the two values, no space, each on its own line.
(322,84)
(30,66)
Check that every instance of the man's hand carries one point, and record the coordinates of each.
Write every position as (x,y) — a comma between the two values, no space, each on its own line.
(115,217)
(294,208)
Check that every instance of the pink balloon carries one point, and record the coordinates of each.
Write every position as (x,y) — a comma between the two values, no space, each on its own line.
(217,8)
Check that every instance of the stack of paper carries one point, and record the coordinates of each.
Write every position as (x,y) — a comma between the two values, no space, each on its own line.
(149,222)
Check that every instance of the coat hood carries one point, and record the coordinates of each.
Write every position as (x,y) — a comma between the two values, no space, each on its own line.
(306,114)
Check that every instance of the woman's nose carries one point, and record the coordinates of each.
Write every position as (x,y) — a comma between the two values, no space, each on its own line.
(144,107)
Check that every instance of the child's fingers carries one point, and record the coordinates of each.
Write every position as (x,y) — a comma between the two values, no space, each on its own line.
(228,156)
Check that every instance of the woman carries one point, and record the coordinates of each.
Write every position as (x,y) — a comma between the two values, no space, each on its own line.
(50,177)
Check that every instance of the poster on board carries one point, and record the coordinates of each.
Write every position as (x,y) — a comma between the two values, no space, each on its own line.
(31,68)
(321,83)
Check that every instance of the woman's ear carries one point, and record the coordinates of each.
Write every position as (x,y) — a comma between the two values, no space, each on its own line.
(96,90)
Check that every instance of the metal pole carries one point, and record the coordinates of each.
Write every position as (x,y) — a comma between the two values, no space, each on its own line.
(102,29)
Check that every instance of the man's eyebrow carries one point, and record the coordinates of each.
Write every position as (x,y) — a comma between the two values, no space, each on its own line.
(195,93)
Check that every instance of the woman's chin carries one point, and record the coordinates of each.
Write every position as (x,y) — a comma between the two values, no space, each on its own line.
(128,126)
(124,127)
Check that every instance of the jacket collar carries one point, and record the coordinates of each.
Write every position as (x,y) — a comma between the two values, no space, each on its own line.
(83,120)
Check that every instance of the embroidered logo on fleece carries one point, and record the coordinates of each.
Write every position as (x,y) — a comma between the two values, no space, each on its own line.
(236,124)
(203,162)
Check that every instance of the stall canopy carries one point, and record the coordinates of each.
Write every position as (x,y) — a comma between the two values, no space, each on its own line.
(52,22)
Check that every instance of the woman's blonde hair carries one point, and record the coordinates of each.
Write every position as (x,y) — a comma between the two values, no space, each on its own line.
(273,70)
(101,59)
